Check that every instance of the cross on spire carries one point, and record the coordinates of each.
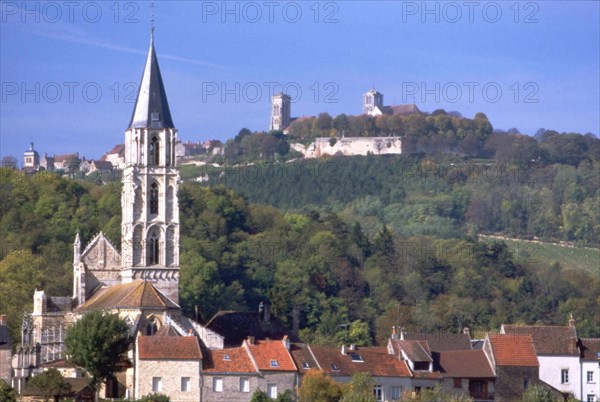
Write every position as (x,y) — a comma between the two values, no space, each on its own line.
(152,20)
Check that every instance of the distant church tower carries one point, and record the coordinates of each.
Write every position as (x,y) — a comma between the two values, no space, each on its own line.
(280,111)
(372,99)
(150,209)
(31,158)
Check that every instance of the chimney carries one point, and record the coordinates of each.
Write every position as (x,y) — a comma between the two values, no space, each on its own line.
(267,317)
(467,332)
(190,332)
(352,347)
(571,321)
(286,342)
(402,334)
(251,340)
(343,349)
(2,319)
(394,332)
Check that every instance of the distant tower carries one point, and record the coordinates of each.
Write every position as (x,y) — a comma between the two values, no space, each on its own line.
(280,111)
(372,99)
(31,158)
(150,209)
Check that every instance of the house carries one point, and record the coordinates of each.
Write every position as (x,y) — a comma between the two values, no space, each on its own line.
(80,391)
(47,162)
(115,156)
(68,163)
(557,352)
(467,372)
(91,166)
(170,365)
(515,364)
(228,375)
(590,369)
(391,375)
(418,357)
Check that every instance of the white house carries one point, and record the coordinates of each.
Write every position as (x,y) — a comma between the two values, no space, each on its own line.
(590,369)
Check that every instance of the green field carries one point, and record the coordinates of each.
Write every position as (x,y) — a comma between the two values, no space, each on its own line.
(547,253)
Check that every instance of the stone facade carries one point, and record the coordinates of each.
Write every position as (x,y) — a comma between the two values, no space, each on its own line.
(174,376)
(280,111)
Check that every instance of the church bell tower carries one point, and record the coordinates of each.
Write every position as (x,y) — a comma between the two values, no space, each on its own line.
(150,209)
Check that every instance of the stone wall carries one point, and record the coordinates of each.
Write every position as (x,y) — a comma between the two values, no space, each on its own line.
(351,146)
(170,373)
(231,385)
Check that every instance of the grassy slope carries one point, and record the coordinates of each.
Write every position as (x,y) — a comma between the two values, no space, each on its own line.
(584,259)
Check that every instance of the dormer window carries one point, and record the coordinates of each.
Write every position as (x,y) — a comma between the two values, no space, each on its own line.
(226,357)
(356,358)
(305,365)
(154,116)
(274,363)
(334,367)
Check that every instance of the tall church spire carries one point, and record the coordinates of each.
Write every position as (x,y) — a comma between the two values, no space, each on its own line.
(151,107)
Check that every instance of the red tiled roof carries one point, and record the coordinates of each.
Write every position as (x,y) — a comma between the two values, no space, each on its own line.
(128,295)
(265,352)
(590,349)
(117,149)
(231,360)
(513,350)
(375,361)
(465,364)
(168,348)
(549,340)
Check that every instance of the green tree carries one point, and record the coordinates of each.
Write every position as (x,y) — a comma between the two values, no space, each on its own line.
(360,389)
(7,394)
(98,343)
(50,384)
(538,393)
(318,387)
(260,396)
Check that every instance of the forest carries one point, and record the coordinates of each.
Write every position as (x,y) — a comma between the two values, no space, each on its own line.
(367,249)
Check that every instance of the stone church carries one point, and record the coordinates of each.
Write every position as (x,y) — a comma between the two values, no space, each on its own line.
(141,281)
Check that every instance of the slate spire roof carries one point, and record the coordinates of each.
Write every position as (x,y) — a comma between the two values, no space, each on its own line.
(151,107)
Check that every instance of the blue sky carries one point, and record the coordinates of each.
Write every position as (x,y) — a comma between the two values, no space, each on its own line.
(69,70)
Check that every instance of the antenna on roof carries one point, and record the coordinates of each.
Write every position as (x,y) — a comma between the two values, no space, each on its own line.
(152,20)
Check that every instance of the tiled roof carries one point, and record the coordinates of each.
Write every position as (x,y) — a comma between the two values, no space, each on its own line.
(375,360)
(271,355)
(549,340)
(464,364)
(102,165)
(405,109)
(303,357)
(513,350)
(166,330)
(590,349)
(168,348)
(230,360)
(66,158)
(58,303)
(137,294)
(236,326)
(443,341)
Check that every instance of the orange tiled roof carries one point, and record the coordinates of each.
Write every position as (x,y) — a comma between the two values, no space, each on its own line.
(267,352)
(375,360)
(137,294)
(168,348)
(513,350)
(230,360)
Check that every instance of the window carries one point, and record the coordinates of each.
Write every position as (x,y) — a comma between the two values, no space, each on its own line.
(591,398)
(185,384)
(154,116)
(378,392)
(272,390)
(305,365)
(356,358)
(458,383)
(156,384)
(151,328)
(564,376)
(590,376)
(274,363)
(334,367)
(396,393)
(421,365)
(153,151)
(154,198)
(244,385)
(525,383)
(217,384)
(226,358)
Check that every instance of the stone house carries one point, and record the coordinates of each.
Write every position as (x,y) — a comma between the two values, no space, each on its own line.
(557,352)
(467,372)
(391,375)
(233,374)
(515,364)
(171,365)
(115,156)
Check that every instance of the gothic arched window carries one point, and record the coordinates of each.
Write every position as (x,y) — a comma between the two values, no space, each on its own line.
(154,198)
(153,151)
(153,249)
